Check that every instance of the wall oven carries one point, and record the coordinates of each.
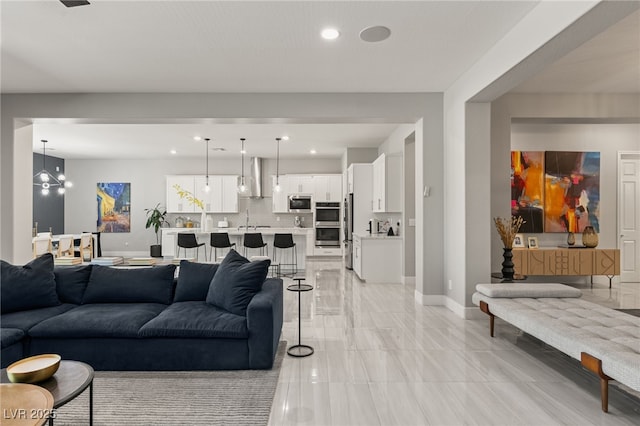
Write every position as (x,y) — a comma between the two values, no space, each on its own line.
(299,203)
(327,224)
(327,237)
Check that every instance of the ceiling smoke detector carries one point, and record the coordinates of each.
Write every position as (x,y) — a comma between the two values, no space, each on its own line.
(375,34)
(220,149)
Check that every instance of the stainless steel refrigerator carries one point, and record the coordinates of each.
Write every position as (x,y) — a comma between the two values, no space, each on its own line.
(348,230)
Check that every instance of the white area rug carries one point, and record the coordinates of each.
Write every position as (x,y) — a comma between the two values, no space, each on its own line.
(241,397)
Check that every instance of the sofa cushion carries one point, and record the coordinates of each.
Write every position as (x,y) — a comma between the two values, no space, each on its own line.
(196,319)
(236,282)
(193,280)
(144,285)
(71,282)
(24,320)
(28,287)
(99,320)
(9,336)
(533,290)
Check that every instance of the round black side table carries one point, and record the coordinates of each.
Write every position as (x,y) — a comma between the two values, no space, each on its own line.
(299,350)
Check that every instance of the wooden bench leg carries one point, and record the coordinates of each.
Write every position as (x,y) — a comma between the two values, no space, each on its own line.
(594,365)
(484,307)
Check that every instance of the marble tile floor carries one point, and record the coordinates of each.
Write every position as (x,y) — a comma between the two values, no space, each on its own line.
(382,359)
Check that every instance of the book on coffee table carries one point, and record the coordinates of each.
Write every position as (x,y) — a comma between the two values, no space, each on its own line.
(142,261)
(107,261)
(177,260)
(67,260)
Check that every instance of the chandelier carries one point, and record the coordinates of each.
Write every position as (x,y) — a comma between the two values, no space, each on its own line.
(47,181)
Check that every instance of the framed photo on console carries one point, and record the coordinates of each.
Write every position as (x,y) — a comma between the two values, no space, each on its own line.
(533,242)
(518,241)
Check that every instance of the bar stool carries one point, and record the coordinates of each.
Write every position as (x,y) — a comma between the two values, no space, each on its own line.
(285,241)
(65,246)
(253,241)
(188,240)
(219,240)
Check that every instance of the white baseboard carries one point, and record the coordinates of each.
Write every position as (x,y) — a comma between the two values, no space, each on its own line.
(408,280)
(441,300)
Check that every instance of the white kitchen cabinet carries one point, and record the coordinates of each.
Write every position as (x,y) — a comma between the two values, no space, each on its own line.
(175,204)
(327,188)
(357,256)
(387,184)
(377,259)
(229,200)
(350,180)
(299,184)
(279,200)
(221,198)
(327,251)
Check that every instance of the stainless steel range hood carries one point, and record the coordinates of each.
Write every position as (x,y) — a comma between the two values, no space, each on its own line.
(255,182)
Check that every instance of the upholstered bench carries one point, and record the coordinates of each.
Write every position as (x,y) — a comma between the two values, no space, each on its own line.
(605,341)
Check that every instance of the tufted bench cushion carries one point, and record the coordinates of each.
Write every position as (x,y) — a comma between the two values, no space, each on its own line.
(574,326)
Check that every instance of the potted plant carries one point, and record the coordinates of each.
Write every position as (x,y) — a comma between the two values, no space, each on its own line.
(156,218)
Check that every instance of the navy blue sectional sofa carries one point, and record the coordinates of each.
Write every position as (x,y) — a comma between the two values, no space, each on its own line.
(212,317)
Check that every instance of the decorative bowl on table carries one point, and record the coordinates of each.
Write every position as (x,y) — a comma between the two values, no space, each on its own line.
(34,369)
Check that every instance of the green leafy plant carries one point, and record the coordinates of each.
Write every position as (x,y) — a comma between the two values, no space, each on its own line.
(156,218)
(188,195)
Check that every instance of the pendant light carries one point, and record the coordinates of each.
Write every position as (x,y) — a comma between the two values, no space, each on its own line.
(207,188)
(277,188)
(242,188)
(45,180)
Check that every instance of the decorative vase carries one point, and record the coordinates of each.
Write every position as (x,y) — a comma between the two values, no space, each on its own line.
(507,266)
(203,222)
(571,238)
(589,237)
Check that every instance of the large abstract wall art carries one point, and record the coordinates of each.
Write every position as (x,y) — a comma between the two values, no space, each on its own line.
(572,191)
(114,207)
(527,189)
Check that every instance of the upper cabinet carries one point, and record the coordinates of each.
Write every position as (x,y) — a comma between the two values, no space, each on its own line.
(299,184)
(327,188)
(221,198)
(387,184)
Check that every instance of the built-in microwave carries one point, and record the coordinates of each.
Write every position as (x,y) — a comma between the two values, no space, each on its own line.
(300,203)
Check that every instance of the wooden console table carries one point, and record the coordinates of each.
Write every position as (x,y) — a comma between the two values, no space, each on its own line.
(567,261)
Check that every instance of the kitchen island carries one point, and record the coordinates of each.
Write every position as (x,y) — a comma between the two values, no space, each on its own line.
(303,237)
(377,258)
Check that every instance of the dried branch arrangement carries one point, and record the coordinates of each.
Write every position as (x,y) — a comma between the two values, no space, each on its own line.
(188,195)
(508,228)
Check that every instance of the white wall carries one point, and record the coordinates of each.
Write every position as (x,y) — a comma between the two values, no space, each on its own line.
(148,188)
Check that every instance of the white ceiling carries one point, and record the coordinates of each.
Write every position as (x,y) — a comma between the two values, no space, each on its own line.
(608,63)
(149,141)
(267,46)
(245,46)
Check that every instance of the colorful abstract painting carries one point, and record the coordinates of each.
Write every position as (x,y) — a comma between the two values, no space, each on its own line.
(114,207)
(527,189)
(572,191)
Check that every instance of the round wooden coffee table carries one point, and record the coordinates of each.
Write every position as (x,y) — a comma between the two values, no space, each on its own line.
(24,405)
(71,379)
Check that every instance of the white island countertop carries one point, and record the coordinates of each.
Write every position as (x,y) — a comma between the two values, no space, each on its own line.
(382,236)
(242,231)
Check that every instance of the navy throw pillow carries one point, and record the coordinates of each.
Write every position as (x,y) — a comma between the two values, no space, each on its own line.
(193,281)
(31,286)
(71,282)
(144,285)
(236,282)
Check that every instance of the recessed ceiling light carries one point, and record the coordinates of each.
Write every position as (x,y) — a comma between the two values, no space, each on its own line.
(375,34)
(173,151)
(197,138)
(285,138)
(313,151)
(243,151)
(330,34)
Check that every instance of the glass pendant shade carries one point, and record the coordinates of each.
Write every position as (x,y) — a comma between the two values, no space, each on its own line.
(45,180)
(242,188)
